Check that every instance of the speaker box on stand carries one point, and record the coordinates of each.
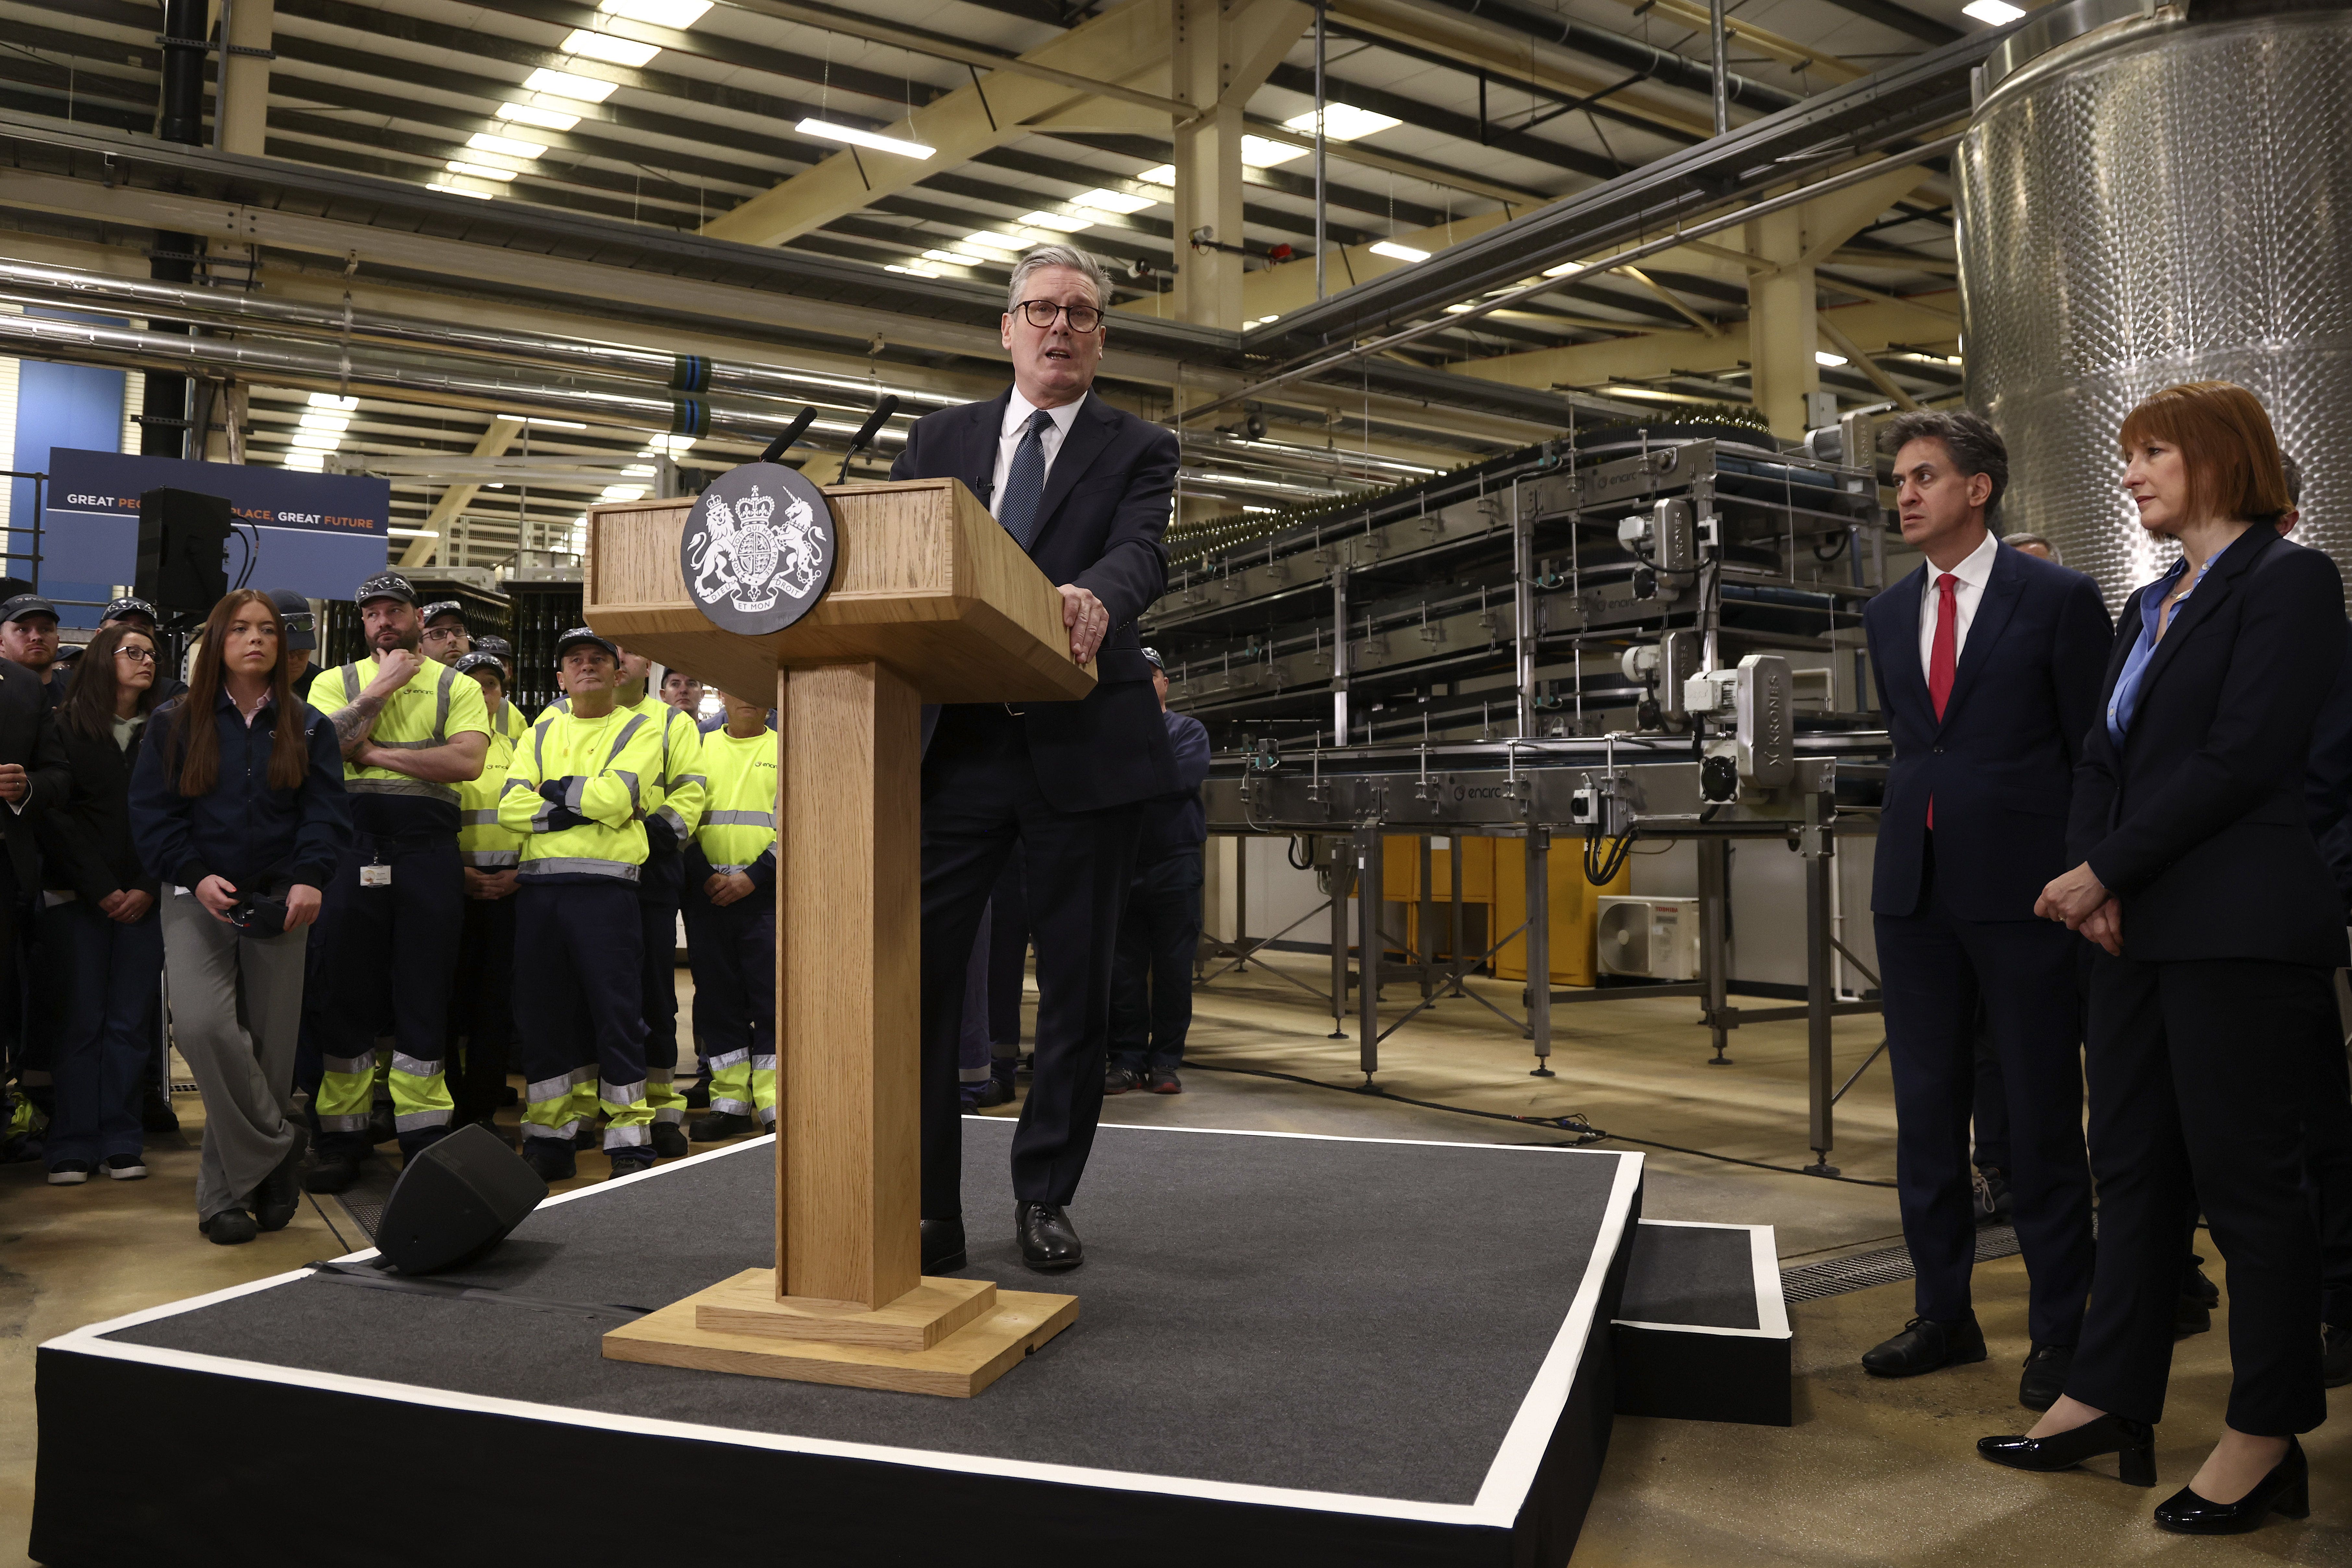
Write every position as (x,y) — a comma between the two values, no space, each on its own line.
(184,550)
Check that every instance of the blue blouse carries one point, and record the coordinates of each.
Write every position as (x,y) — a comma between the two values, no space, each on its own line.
(2125,701)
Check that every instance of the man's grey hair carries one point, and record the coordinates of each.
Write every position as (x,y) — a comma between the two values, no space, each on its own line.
(2022,540)
(1976,447)
(1045,256)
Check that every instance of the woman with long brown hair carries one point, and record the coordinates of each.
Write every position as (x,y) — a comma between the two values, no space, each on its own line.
(2212,1005)
(100,937)
(237,806)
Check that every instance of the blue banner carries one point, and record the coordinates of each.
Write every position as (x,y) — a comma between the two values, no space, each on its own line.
(319,534)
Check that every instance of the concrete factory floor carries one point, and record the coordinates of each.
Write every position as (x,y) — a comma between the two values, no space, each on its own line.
(1873,1473)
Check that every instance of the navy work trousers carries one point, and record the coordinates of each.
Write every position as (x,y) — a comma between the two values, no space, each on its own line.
(388,956)
(481,1009)
(661,883)
(1937,967)
(581,945)
(981,807)
(731,951)
(105,976)
(1151,980)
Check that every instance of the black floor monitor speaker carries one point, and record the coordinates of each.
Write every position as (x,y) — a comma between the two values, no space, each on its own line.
(183,550)
(455,1201)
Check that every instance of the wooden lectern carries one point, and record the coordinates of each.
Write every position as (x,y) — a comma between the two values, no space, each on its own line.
(931,601)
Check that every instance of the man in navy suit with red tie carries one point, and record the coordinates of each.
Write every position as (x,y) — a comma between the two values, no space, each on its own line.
(1989,663)
(1084,488)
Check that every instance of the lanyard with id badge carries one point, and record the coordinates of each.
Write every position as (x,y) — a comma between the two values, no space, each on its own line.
(375,874)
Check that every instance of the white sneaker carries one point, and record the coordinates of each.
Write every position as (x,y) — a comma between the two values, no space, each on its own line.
(69,1173)
(127,1167)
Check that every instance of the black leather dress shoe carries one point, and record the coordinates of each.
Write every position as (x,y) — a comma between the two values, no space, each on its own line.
(2286,1490)
(278,1198)
(2045,1379)
(942,1246)
(1925,1345)
(1048,1242)
(2132,1442)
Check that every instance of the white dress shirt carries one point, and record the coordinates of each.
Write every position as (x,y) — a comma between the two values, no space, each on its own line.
(1017,412)
(1973,573)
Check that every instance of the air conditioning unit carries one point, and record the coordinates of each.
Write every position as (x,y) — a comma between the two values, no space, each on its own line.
(1656,939)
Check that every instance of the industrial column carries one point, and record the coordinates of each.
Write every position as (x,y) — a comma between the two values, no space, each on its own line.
(163,406)
(1539,947)
(1370,942)
(1343,865)
(1818,845)
(1715,940)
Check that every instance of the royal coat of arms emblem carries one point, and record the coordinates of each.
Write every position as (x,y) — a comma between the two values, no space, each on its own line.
(758,550)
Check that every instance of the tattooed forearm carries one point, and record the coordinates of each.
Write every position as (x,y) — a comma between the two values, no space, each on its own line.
(352,723)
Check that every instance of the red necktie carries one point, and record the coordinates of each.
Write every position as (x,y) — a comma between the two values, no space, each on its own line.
(1942,655)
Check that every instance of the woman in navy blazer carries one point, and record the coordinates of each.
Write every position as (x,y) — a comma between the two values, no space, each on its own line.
(2212,1000)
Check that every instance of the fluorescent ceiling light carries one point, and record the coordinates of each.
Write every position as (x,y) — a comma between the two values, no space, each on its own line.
(1457,310)
(1395,252)
(1113,201)
(604,46)
(311,460)
(995,239)
(324,422)
(1564,269)
(645,468)
(826,131)
(541,419)
(660,13)
(955,258)
(1341,122)
(1257,153)
(314,442)
(329,400)
(1165,175)
(910,270)
(1994,13)
(1827,359)
(673,444)
(412,533)
(1064,222)
(512,146)
(622,492)
(545,118)
(446,189)
(563,84)
(479,170)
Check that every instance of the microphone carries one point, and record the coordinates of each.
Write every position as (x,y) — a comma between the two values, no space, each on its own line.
(792,433)
(867,431)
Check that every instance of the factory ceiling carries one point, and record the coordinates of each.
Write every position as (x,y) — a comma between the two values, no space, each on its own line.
(839,191)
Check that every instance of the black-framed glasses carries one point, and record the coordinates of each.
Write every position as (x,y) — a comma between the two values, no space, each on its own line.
(1041,314)
(135,655)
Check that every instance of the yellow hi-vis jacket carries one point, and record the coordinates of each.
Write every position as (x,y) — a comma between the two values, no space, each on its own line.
(482,843)
(738,827)
(577,788)
(675,793)
(436,704)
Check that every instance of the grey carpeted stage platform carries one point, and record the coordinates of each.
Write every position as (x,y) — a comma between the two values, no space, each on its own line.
(1285,1343)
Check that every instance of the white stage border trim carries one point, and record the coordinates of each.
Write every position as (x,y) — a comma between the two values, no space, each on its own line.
(1763,1260)
(1499,1499)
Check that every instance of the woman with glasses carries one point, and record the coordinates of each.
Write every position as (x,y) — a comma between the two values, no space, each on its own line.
(100,941)
(237,806)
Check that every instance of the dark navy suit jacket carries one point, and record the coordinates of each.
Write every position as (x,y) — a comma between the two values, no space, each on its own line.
(2329,786)
(1100,526)
(2199,822)
(2000,764)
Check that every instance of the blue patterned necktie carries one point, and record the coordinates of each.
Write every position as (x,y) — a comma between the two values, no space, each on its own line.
(1025,482)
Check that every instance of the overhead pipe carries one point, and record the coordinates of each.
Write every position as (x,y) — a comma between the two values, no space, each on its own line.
(29,283)
(1617,49)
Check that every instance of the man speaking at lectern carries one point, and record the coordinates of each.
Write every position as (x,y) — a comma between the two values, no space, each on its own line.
(1084,488)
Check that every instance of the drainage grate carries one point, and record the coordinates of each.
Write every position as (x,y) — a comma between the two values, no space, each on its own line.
(1887,1265)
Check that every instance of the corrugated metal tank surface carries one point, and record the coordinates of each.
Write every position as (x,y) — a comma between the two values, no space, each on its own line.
(2161,197)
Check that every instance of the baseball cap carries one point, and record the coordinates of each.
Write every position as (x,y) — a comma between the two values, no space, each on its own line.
(385,585)
(442,607)
(496,644)
(490,661)
(301,626)
(25,604)
(1157,662)
(578,634)
(118,608)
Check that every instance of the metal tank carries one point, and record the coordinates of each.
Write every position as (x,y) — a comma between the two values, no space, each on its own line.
(2151,195)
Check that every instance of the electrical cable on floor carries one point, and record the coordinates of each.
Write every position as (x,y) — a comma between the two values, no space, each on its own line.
(1586,1133)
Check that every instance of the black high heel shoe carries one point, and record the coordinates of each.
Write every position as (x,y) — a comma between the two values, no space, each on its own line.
(2132,1442)
(2286,1490)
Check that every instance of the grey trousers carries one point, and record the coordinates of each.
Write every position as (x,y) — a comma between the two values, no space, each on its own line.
(237,1013)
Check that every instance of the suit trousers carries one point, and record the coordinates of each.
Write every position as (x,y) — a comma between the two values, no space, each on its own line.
(1151,982)
(237,1012)
(981,807)
(2197,1068)
(107,976)
(1937,967)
